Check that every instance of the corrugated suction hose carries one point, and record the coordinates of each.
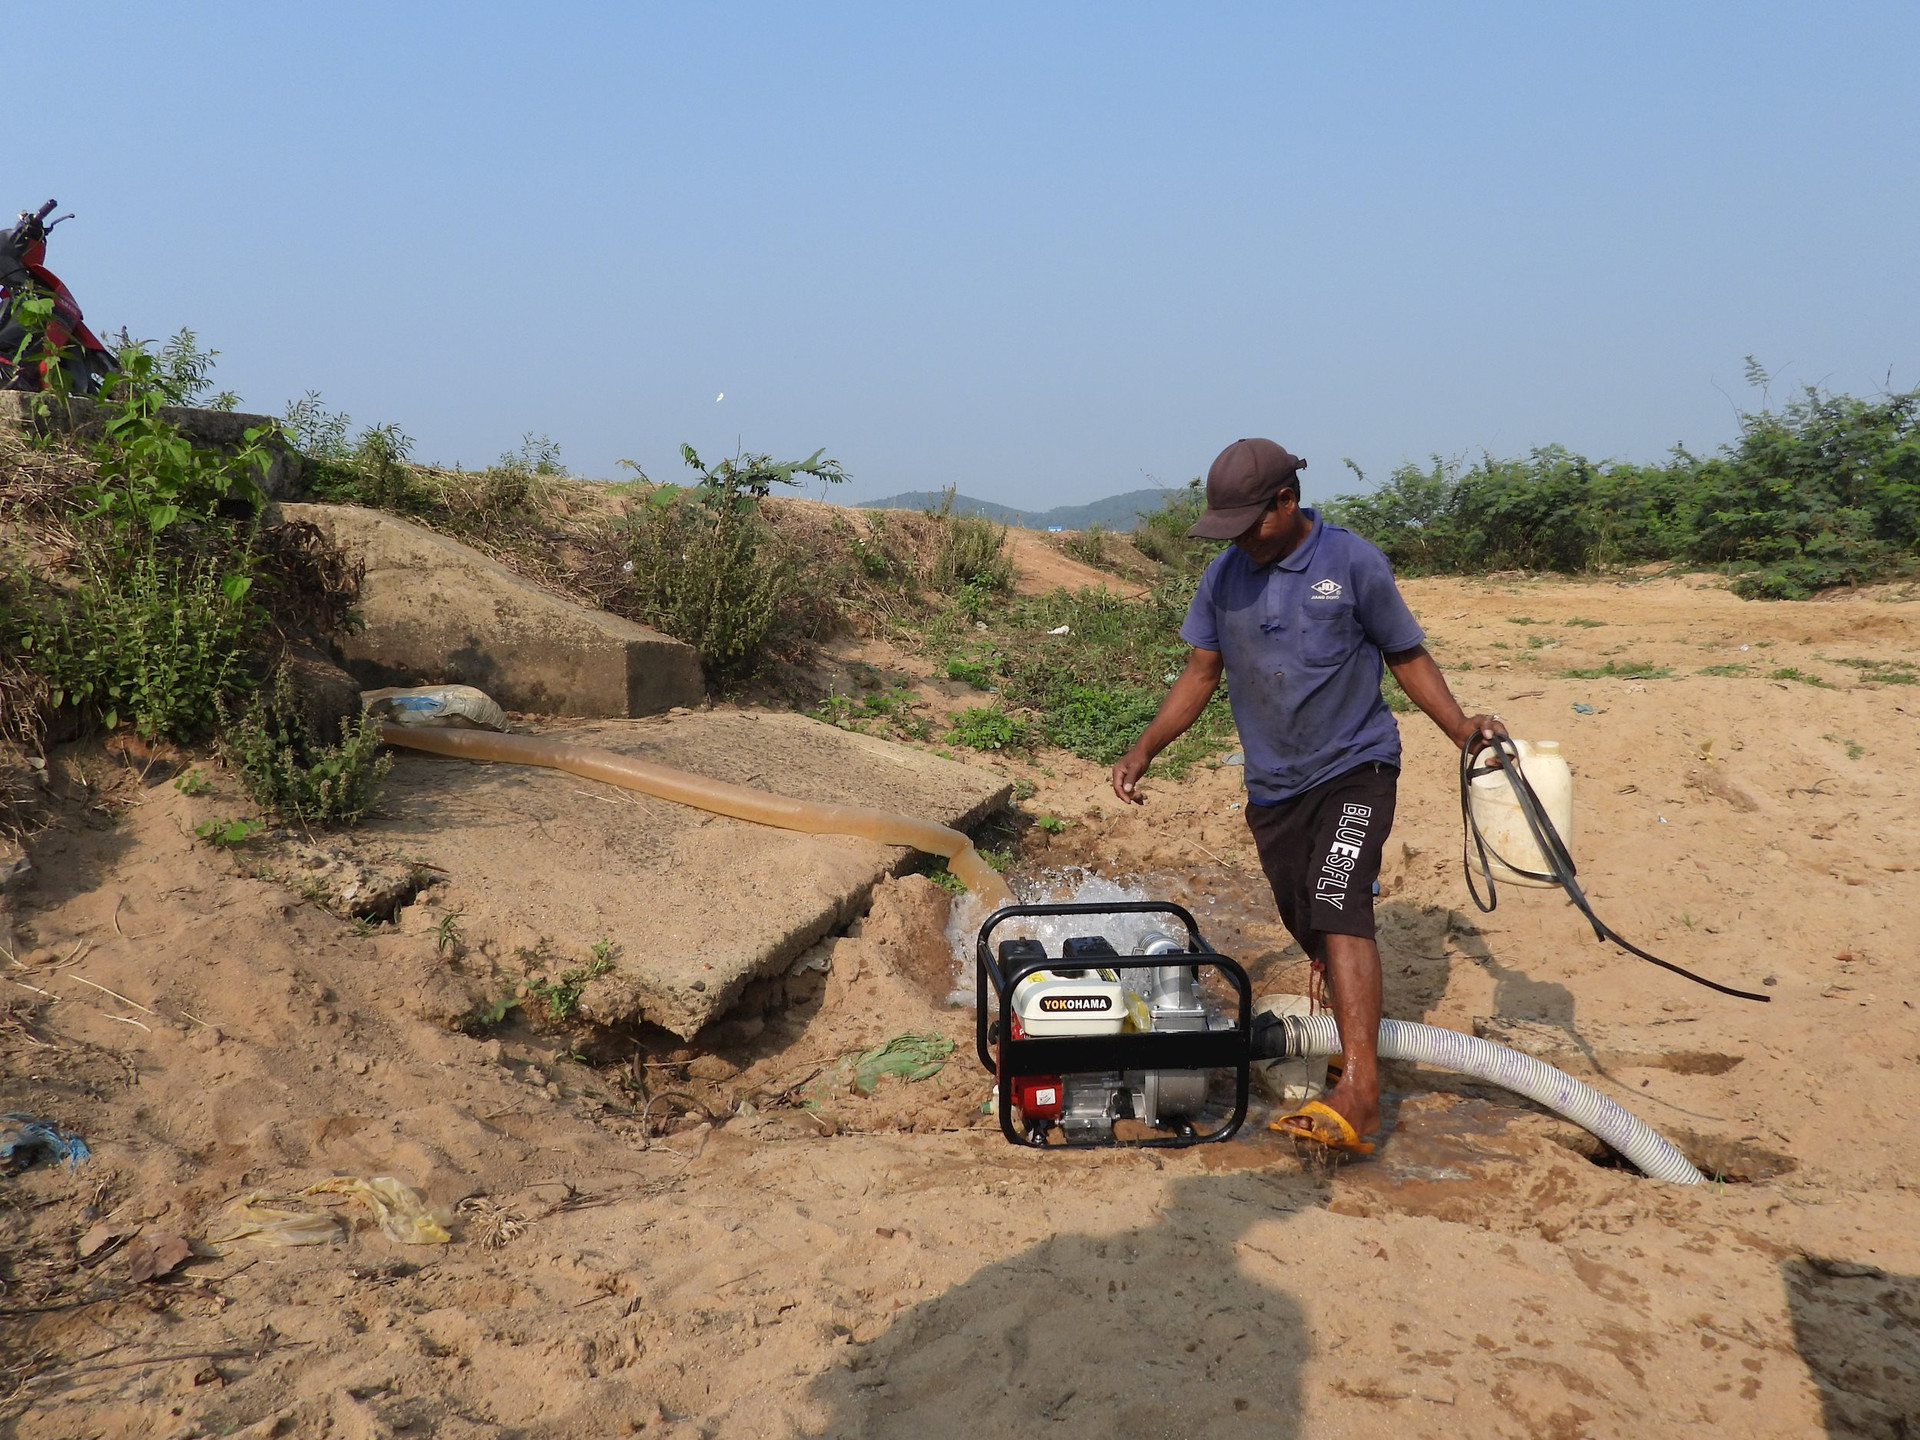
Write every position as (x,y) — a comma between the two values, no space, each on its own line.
(1650,1152)
(742,802)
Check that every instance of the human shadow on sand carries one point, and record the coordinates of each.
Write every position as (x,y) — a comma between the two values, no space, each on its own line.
(1858,1329)
(1149,1332)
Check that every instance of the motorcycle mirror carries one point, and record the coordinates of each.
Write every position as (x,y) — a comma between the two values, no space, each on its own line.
(57,219)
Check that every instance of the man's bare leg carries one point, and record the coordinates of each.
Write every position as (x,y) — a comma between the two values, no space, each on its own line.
(1353,974)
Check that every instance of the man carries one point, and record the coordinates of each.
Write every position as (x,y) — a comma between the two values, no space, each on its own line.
(1299,614)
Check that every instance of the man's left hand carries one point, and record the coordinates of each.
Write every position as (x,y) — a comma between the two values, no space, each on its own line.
(1478,730)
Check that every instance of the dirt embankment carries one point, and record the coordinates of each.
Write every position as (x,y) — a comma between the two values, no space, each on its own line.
(636,1250)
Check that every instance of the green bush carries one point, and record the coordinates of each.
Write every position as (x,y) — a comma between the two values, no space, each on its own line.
(1161,535)
(290,772)
(971,554)
(1099,722)
(1088,546)
(716,579)
(987,727)
(1823,492)
(158,638)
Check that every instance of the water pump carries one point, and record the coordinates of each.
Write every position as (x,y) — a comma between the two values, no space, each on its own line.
(1092,1047)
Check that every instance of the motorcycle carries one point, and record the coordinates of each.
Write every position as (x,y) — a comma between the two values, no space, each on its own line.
(44,342)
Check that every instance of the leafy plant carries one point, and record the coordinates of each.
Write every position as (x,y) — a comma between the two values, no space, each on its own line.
(1736,667)
(289,771)
(984,727)
(1052,824)
(150,475)
(488,1015)
(970,553)
(1627,670)
(562,996)
(193,783)
(152,636)
(1161,535)
(1790,672)
(228,834)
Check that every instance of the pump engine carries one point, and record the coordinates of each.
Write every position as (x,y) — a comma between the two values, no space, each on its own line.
(1090,1038)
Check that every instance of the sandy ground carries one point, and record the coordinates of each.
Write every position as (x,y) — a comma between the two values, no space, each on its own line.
(722,1239)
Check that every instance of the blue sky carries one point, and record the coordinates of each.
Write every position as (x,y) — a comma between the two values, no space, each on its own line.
(1045,253)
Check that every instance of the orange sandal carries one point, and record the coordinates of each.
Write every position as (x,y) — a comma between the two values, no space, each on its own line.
(1324,1125)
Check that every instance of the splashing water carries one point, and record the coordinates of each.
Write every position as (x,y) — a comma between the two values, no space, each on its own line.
(1128,933)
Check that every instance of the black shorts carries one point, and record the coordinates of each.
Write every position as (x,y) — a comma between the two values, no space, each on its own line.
(1321,851)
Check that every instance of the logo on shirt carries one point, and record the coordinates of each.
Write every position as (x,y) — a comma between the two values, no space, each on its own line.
(1327,589)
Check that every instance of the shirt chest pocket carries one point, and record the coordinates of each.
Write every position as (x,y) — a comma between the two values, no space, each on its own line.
(1329,633)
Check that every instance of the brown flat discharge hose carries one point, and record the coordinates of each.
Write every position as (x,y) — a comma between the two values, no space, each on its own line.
(742,802)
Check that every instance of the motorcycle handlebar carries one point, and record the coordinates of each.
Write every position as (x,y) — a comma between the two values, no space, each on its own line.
(46,210)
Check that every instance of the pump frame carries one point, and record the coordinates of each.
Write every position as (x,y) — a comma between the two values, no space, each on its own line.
(1007,1058)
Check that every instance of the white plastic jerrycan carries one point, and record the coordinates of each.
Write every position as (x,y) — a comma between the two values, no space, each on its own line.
(1510,843)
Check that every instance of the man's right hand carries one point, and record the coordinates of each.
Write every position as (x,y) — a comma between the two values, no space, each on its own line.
(1127,771)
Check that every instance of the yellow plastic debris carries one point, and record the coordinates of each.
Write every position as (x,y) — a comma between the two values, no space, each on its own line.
(251,1217)
(400,1212)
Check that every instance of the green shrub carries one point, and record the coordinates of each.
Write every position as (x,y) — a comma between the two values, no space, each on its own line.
(985,727)
(1622,669)
(715,578)
(290,772)
(1088,546)
(971,554)
(1161,535)
(1823,492)
(1099,722)
(154,637)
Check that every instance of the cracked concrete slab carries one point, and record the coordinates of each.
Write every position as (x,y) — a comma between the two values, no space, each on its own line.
(543,865)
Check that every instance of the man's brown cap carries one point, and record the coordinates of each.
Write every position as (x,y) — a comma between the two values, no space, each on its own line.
(1242,483)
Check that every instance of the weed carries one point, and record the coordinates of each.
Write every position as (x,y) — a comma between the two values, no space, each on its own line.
(1790,672)
(1088,546)
(562,996)
(1052,824)
(447,939)
(1736,667)
(1024,789)
(986,727)
(1883,672)
(1854,750)
(1500,645)
(1624,669)
(971,553)
(1161,535)
(974,669)
(488,1015)
(228,834)
(288,771)
(1541,642)
(997,859)
(716,577)
(1581,620)
(193,783)
(1524,620)
(946,879)
(147,635)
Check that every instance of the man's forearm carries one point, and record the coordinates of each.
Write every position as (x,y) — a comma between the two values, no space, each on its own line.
(1428,689)
(1184,702)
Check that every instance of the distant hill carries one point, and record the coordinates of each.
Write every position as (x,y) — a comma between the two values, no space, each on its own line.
(1116,512)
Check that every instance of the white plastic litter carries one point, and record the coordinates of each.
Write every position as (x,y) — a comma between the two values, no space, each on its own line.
(445,707)
(1061,630)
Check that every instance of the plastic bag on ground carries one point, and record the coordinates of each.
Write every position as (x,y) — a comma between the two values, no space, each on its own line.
(911,1057)
(26,1140)
(400,1212)
(446,707)
(251,1217)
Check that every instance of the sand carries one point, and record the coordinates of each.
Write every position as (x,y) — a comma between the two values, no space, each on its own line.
(683,1250)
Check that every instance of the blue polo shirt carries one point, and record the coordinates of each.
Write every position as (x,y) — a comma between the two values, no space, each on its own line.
(1302,639)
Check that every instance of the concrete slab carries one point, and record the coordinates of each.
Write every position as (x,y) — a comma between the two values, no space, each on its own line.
(439,612)
(543,865)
